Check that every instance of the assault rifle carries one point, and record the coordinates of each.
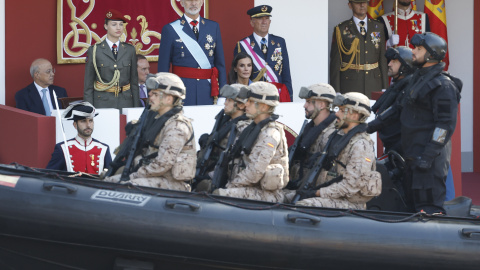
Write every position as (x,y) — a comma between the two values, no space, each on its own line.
(128,148)
(291,154)
(203,159)
(309,180)
(220,175)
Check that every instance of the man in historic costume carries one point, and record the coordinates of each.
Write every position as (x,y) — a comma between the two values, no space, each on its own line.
(312,141)
(260,155)
(233,114)
(268,51)
(409,23)
(166,157)
(111,78)
(351,160)
(428,120)
(193,45)
(388,107)
(357,61)
(86,154)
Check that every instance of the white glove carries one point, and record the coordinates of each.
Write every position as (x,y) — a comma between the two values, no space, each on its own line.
(394,40)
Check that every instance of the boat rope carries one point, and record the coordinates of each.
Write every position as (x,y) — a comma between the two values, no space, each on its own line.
(320,212)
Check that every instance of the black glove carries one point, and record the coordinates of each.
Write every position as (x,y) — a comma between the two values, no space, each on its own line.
(306,193)
(373,126)
(423,163)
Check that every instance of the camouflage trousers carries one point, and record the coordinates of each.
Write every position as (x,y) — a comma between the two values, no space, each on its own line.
(289,195)
(331,203)
(155,182)
(252,193)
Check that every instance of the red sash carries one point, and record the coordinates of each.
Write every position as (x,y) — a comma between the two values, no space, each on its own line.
(202,74)
(282,91)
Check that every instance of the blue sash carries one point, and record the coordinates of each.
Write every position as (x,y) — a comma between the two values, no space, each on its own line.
(192,46)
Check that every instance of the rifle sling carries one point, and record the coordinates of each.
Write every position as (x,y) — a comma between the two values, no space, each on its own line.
(311,132)
(249,136)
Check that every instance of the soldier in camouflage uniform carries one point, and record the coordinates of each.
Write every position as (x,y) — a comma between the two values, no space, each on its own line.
(234,108)
(314,137)
(168,157)
(260,154)
(354,164)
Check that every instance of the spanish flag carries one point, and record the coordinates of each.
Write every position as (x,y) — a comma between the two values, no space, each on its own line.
(375,9)
(438,21)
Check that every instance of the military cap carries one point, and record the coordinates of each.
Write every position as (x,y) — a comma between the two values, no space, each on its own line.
(260,11)
(114,15)
(79,110)
(166,82)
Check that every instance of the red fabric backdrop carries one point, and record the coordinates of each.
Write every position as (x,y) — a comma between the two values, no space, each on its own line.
(32,33)
(80,25)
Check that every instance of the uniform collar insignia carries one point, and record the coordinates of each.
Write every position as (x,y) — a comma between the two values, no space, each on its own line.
(273,42)
(182,22)
(203,21)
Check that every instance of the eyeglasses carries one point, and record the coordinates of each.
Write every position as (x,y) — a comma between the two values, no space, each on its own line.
(50,71)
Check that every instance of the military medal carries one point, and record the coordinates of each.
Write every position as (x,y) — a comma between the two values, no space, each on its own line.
(210,53)
(209,38)
(93,159)
(264,50)
(207,46)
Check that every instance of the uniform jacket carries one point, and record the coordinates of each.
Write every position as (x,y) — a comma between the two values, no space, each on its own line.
(127,64)
(429,115)
(89,156)
(176,159)
(269,148)
(29,99)
(276,48)
(173,51)
(372,50)
(410,22)
(359,183)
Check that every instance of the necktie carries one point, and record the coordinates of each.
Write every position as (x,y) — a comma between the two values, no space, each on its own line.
(362,28)
(142,94)
(195,29)
(114,51)
(264,47)
(45,103)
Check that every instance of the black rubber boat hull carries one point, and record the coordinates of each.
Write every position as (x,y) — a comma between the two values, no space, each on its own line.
(56,224)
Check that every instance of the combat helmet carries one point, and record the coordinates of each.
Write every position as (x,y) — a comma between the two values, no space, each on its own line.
(404,55)
(322,91)
(354,101)
(262,92)
(436,46)
(168,83)
(232,91)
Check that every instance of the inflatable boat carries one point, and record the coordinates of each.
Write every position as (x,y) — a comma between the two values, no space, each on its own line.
(60,220)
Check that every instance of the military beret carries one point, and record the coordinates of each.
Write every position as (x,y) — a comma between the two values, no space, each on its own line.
(260,11)
(114,15)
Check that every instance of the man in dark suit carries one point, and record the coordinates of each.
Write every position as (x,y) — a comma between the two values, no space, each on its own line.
(269,52)
(357,57)
(37,97)
(193,45)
